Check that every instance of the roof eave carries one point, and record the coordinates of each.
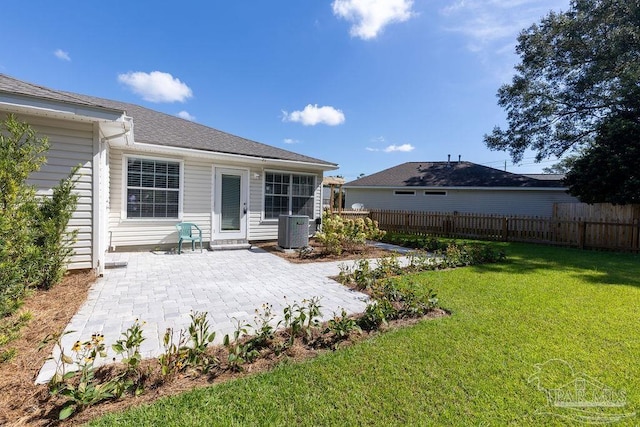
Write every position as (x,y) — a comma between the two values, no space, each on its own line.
(56,109)
(404,187)
(215,155)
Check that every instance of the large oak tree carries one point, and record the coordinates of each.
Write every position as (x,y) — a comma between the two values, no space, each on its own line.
(579,75)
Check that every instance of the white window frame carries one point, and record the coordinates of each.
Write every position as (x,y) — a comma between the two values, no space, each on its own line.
(125,186)
(404,193)
(291,174)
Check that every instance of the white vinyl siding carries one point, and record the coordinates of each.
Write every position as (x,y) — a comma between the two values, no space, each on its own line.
(71,144)
(196,204)
(532,202)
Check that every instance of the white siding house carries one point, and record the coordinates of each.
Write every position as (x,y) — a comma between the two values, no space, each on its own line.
(462,187)
(143,171)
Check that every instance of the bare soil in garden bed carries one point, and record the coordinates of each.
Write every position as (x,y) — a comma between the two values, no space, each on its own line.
(318,255)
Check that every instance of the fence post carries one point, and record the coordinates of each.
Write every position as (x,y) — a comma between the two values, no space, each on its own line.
(582,233)
(505,229)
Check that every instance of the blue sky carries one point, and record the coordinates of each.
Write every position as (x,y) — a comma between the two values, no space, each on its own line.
(367,84)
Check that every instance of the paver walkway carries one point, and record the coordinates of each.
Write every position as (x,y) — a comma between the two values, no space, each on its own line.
(163,289)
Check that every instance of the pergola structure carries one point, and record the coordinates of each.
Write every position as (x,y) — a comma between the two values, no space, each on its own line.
(331,182)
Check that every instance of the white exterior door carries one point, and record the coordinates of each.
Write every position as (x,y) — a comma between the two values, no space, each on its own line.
(230,204)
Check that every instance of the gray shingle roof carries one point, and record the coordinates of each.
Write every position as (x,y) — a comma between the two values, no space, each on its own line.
(448,174)
(158,128)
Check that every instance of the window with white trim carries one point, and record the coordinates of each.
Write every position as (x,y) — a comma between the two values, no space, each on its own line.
(288,194)
(404,192)
(153,188)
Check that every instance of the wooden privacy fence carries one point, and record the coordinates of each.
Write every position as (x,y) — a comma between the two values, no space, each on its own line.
(591,234)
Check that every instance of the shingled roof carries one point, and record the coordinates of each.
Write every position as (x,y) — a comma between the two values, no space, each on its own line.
(158,128)
(448,174)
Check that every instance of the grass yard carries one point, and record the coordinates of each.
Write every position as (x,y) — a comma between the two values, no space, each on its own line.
(471,368)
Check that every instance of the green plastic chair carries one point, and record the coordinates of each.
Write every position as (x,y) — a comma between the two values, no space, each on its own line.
(185,232)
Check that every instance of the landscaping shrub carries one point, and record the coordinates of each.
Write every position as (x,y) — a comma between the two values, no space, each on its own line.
(34,245)
(339,234)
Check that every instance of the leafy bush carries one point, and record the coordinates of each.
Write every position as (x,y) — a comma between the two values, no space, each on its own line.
(339,234)
(34,245)
(52,239)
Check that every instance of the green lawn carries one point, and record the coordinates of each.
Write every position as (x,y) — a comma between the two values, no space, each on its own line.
(471,368)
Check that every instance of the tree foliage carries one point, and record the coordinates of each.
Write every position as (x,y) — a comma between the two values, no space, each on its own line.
(577,69)
(608,170)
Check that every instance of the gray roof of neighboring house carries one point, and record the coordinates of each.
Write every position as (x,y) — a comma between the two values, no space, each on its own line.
(448,174)
(546,176)
(158,128)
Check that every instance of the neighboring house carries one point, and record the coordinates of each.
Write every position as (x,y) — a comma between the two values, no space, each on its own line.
(143,171)
(463,187)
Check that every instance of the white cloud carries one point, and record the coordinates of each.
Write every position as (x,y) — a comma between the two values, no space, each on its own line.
(290,141)
(404,148)
(313,115)
(369,17)
(61,54)
(185,115)
(156,86)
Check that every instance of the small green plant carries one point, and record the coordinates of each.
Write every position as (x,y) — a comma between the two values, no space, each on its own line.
(129,348)
(300,320)
(240,351)
(263,327)
(81,388)
(377,313)
(420,261)
(201,336)
(388,266)
(363,276)
(9,331)
(342,325)
(174,357)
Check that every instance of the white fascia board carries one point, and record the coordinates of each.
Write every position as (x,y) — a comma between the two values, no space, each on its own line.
(56,109)
(144,147)
(382,187)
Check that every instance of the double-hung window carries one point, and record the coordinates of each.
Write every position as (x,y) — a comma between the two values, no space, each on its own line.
(288,194)
(153,188)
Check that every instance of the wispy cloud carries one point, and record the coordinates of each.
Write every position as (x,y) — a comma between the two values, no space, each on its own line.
(61,54)
(313,115)
(290,141)
(491,27)
(404,148)
(486,22)
(156,86)
(185,115)
(369,17)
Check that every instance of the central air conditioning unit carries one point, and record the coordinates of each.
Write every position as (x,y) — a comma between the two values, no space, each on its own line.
(293,231)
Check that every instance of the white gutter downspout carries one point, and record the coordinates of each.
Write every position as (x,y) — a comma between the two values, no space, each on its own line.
(100,184)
